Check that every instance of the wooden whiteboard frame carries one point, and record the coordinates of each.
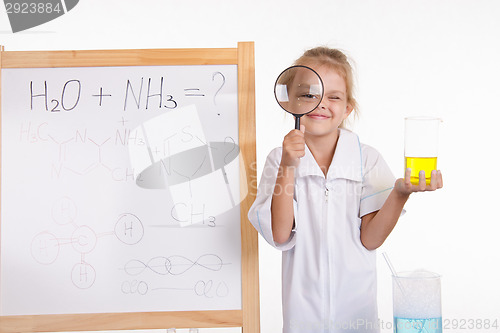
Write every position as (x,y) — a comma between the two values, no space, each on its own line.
(248,316)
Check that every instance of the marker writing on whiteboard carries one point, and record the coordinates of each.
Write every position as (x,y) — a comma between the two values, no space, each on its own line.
(71,88)
(101,95)
(193,92)
(222,84)
(174,265)
(207,288)
(45,246)
(154,95)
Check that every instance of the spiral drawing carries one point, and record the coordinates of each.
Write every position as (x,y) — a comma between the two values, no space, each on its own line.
(173,265)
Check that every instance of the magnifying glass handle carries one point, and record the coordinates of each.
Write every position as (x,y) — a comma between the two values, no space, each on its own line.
(297,123)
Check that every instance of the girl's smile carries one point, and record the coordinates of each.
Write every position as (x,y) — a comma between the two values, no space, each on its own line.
(319,115)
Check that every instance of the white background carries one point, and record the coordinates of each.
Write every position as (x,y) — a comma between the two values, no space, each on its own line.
(411,58)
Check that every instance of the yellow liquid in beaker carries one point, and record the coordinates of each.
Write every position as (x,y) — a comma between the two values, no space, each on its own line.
(420,163)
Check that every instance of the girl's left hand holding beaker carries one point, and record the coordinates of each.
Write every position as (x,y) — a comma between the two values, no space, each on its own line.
(405,187)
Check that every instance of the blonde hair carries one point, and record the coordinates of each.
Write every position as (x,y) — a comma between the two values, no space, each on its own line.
(337,61)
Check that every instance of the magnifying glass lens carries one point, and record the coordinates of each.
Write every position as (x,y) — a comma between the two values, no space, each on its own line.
(298,90)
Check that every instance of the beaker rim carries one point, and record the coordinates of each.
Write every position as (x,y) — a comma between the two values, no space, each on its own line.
(417,274)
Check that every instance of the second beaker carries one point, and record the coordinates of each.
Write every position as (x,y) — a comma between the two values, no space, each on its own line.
(417,302)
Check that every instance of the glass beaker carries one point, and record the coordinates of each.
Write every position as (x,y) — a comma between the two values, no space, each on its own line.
(421,146)
(417,302)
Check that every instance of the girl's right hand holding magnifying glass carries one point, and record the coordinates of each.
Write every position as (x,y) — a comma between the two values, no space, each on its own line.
(294,148)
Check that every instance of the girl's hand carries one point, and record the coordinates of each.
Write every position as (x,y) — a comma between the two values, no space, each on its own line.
(294,147)
(405,187)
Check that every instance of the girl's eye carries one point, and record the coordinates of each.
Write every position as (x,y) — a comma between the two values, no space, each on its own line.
(333,97)
(308,96)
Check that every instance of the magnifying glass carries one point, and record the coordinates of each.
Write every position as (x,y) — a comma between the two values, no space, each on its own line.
(298,90)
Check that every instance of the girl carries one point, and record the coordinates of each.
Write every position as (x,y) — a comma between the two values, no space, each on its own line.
(327,201)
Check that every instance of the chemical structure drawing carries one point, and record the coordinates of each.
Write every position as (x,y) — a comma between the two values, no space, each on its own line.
(202,288)
(176,265)
(83,152)
(46,247)
(88,161)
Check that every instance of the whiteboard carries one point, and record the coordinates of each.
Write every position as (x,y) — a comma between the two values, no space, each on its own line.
(120,190)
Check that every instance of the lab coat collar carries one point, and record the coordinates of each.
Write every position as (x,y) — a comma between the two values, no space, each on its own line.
(346,162)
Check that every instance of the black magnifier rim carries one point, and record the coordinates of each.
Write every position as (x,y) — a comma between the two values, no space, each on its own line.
(320,80)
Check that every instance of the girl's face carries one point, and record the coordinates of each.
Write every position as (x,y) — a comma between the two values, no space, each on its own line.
(328,116)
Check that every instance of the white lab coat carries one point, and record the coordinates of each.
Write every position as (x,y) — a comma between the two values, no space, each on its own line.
(329,277)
